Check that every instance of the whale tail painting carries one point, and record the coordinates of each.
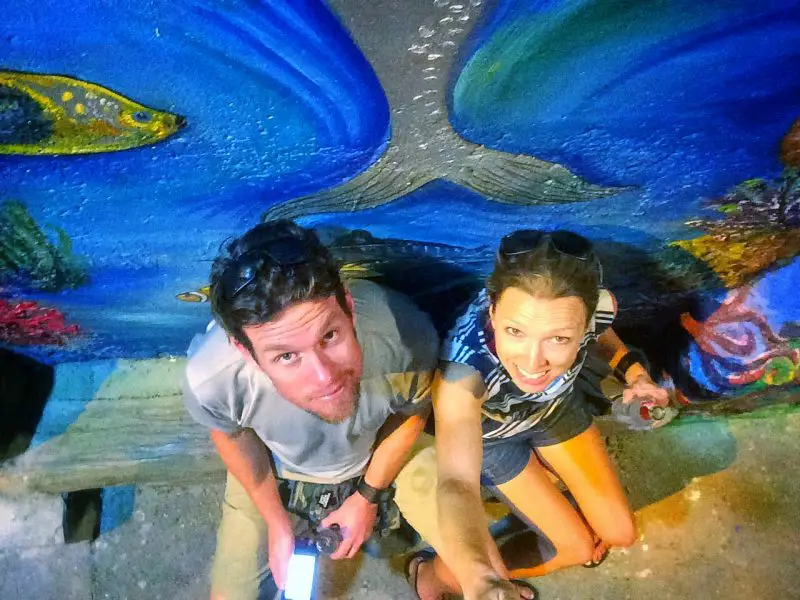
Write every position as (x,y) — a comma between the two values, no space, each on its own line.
(423,145)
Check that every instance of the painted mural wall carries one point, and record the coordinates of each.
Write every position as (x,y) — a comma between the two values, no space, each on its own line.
(136,136)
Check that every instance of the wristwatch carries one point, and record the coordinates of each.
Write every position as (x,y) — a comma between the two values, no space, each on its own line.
(371,494)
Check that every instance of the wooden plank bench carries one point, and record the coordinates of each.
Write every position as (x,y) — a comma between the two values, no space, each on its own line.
(119,422)
(110,423)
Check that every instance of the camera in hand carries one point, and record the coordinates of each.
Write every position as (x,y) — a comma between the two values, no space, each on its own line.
(301,577)
(327,539)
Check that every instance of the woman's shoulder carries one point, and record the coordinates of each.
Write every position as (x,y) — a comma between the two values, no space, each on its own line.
(606,311)
(464,377)
(467,338)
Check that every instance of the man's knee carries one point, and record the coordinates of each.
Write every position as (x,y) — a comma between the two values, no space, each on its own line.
(416,483)
(240,561)
(416,494)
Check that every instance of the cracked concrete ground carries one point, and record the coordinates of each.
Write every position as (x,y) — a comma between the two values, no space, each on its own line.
(717,510)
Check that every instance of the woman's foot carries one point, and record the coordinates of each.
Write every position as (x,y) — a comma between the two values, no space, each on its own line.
(600,554)
(422,578)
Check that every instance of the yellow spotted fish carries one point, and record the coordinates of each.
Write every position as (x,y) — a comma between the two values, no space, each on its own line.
(54,114)
(200,295)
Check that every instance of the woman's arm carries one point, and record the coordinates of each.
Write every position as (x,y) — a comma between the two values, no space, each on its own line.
(638,380)
(613,349)
(468,549)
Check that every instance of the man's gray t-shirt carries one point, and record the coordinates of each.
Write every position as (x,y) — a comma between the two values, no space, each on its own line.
(224,391)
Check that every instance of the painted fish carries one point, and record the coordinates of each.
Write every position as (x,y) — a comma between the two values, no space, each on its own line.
(54,114)
(438,277)
(195,296)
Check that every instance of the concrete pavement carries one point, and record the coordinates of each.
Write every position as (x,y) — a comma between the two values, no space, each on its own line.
(717,509)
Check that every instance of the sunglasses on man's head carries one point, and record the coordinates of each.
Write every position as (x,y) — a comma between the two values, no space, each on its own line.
(283,252)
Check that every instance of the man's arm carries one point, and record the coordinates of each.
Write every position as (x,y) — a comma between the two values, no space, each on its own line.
(395,439)
(248,460)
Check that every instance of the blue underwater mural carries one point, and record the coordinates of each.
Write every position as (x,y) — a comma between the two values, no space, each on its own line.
(135,138)
(751,341)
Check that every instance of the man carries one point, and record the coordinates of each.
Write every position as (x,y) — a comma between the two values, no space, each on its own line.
(314,394)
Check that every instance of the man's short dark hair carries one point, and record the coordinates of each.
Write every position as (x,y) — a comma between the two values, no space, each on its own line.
(272,266)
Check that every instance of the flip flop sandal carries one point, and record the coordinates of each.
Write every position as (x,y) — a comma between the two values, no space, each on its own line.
(592,564)
(411,568)
(414,561)
(524,584)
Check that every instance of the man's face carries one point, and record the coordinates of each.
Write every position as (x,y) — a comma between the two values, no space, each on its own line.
(311,355)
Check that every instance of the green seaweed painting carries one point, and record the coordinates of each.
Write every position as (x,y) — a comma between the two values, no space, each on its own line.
(760,229)
(29,259)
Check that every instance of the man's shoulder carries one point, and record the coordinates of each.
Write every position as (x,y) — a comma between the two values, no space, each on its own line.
(385,317)
(382,308)
(211,357)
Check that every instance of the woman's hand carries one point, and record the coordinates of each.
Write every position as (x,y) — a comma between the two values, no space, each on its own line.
(646,391)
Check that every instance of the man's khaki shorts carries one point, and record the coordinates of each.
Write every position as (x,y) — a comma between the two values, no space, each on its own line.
(241,563)
(416,493)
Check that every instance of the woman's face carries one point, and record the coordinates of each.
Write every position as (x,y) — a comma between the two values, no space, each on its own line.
(537,338)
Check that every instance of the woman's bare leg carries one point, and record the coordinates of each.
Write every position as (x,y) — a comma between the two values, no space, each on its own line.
(533,495)
(584,466)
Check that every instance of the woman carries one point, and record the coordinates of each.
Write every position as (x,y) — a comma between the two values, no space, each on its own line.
(509,416)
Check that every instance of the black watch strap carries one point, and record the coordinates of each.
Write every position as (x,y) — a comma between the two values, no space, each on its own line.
(630,358)
(371,494)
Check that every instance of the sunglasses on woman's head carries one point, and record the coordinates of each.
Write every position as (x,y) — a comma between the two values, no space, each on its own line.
(282,252)
(526,241)
(571,244)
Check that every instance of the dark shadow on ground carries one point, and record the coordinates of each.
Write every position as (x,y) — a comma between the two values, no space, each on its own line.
(654,465)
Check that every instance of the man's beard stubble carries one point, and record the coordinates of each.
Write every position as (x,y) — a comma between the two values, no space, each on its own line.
(352,407)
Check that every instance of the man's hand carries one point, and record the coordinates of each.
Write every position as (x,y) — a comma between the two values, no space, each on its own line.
(356,520)
(643,388)
(280,539)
